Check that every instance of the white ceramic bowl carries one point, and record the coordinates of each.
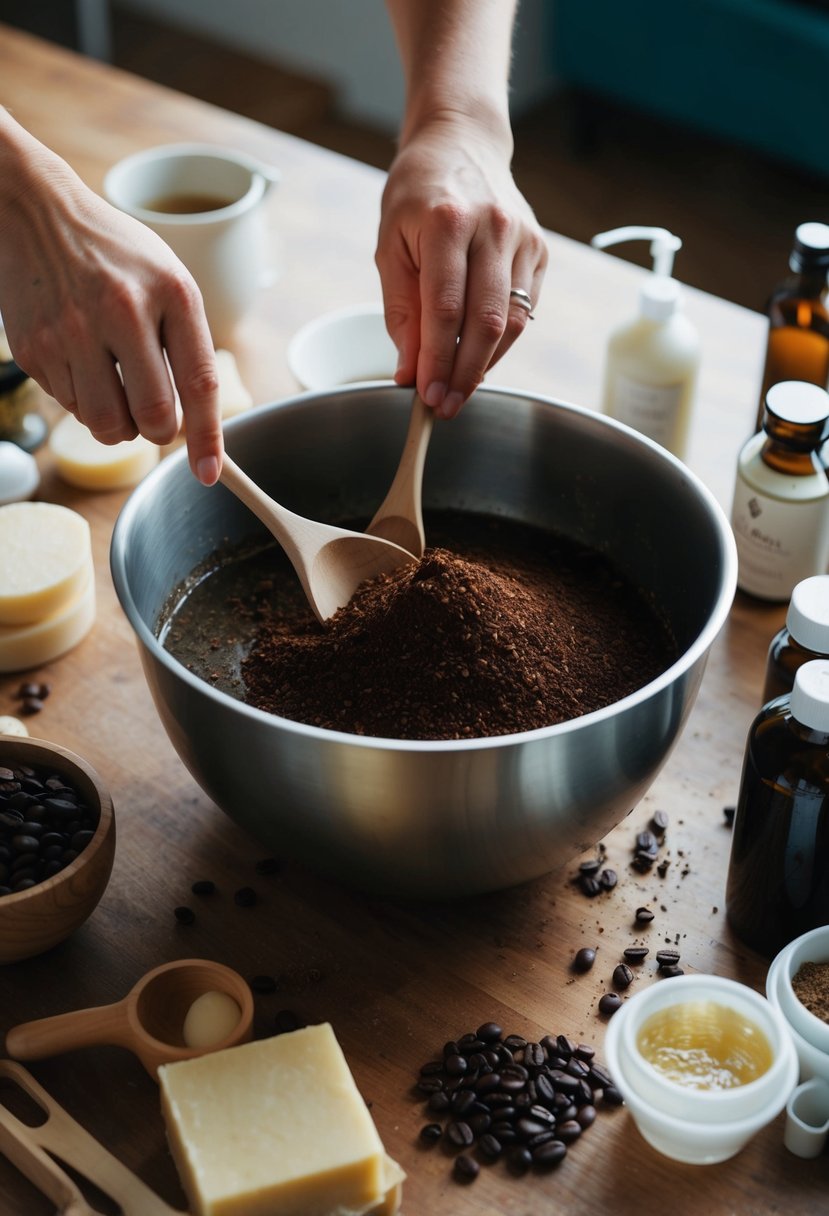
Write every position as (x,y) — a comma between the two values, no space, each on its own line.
(341,347)
(814,946)
(694,1125)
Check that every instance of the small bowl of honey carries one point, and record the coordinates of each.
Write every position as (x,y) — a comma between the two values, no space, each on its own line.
(703,1063)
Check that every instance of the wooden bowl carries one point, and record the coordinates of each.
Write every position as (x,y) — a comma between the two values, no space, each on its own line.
(36,919)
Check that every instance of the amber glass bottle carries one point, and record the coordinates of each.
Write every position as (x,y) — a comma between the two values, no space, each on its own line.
(778,877)
(804,637)
(798,311)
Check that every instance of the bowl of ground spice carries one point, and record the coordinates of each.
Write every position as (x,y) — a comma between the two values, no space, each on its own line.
(802,987)
(474,720)
(57,844)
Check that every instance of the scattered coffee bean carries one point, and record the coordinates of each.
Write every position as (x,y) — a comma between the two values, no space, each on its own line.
(611,1096)
(245,897)
(460,1133)
(646,842)
(584,959)
(263,984)
(590,885)
(667,958)
(671,971)
(465,1168)
(659,822)
(490,1032)
(286,1021)
(184,915)
(549,1154)
(204,886)
(519,1159)
(431,1132)
(643,916)
(591,866)
(609,1003)
(31,705)
(635,954)
(489,1147)
(608,879)
(622,976)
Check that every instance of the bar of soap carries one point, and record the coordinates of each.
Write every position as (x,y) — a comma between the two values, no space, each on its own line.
(276,1127)
(45,552)
(25,646)
(211,1018)
(84,462)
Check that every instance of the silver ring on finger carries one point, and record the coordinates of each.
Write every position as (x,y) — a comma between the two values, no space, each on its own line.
(523,299)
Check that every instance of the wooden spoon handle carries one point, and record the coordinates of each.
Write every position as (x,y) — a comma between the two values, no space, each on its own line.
(70,1142)
(67,1031)
(26,1155)
(400,516)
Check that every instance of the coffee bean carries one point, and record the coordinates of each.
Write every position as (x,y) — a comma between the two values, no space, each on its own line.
(643,916)
(203,886)
(622,976)
(612,1096)
(667,958)
(515,1042)
(608,879)
(599,1077)
(459,1133)
(480,1122)
(646,842)
(245,897)
(569,1130)
(589,885)
(659,822)
(184,915)
(670,971)
(263,984)
(549,1154)
(584,959)
(439,1102)
(431,1132)
(490,1032)
(286,1021)
(591,866)
(534,1055)
(31,705)
(462,1100)
(489,1147)
(519,1159)
(455,1066)
(609,1003)
(585,1052)
(586,1115)
(465,1168)
(635,954)
(527,1127)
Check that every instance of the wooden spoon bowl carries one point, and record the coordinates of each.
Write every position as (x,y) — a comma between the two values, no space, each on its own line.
(36,919)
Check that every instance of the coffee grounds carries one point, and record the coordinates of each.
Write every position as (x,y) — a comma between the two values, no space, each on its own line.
(457,647)
(811,987)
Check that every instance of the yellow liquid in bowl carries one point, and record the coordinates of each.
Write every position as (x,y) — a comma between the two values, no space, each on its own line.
(705,1045)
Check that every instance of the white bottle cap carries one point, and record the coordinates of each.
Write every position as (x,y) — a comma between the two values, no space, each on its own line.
(810,696)
(659,297)
(808,617)
(798,402)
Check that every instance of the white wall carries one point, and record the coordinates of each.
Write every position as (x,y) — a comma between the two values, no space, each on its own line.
(347,42)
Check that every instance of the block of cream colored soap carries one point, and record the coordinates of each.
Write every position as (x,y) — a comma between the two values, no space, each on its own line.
(276,1127)
(25,646)
(84,462)
(44,560)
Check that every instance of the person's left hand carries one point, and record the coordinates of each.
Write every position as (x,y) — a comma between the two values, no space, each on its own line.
(456,235)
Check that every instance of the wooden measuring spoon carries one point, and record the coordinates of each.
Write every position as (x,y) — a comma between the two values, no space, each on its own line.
(400,517)
(331,562)
(149,1021)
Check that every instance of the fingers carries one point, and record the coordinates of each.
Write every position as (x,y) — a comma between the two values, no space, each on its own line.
(528,271)
(193,365)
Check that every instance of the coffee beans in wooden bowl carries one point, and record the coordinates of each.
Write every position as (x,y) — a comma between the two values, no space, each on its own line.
(57,842)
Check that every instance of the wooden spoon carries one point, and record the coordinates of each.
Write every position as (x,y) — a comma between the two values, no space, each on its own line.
(331,562)
(400,517)
(149,1021)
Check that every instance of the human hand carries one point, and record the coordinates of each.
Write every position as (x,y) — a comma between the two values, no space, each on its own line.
(100,312)
(456,236)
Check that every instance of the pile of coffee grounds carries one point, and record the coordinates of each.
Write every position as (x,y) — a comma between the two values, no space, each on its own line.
(811,987)
(461,647)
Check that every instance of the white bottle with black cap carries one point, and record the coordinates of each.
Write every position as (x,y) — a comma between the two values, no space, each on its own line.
(652,360)
(780,513)
(804,637)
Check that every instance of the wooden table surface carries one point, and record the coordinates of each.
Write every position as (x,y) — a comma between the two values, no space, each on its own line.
(395,981)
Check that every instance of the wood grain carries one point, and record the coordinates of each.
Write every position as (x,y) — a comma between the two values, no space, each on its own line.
(395,980)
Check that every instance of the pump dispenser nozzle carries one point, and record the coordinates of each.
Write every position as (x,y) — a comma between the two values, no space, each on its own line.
(663,244)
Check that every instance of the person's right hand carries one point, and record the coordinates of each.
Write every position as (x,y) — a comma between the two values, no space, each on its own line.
(101,313)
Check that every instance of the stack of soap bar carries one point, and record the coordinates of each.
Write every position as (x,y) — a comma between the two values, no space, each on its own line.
(276,1127)
(47,583)
(84,462)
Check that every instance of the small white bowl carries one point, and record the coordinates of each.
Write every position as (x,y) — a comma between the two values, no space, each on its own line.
(694,1125)
(341,347)
(811,947)
(814,1062)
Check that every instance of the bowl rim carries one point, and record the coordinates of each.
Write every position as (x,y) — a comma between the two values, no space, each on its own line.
(307,335)
(66,760)
(779,974)
(685,662)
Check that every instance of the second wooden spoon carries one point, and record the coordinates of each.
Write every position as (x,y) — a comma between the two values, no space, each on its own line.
(400,517)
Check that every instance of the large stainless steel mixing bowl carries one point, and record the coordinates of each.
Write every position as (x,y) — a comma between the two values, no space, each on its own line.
(443,818)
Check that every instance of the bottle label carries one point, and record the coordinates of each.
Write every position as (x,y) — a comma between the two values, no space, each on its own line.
(652,409)
(779,543)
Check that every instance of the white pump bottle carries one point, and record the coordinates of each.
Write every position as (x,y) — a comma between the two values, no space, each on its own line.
(652,361)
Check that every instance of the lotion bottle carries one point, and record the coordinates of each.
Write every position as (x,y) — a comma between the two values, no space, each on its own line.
(652,360)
